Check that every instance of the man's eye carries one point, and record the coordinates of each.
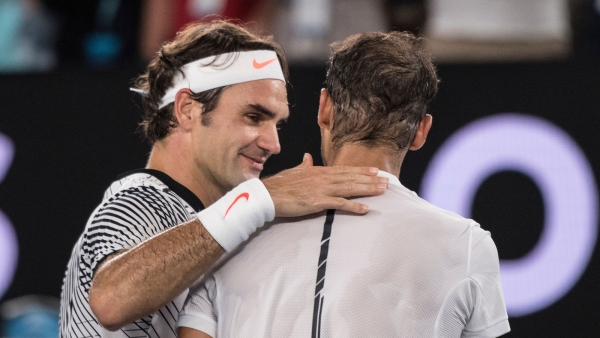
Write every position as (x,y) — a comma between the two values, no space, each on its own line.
(253,117)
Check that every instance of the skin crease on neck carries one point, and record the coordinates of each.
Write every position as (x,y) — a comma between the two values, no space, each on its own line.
(242,133)
(353,154)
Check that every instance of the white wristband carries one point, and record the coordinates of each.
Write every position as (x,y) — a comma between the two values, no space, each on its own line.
(235,216)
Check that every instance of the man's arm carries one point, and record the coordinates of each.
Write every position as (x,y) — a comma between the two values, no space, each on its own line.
(187,332)
(475,306)
(488,317)
(136,282)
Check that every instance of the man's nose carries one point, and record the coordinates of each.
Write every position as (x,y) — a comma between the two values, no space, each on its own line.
(269,139)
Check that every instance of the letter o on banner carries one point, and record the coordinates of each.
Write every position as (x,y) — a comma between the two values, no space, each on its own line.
(8,237)
(547,155)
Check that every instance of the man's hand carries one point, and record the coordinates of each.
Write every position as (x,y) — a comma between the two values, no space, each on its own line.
(307,189)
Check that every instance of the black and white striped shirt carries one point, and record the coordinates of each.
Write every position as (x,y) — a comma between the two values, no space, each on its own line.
(139,205)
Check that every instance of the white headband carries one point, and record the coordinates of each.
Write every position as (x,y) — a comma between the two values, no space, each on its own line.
(236,67)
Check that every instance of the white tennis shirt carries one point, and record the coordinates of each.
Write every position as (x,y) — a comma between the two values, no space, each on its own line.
(405,269)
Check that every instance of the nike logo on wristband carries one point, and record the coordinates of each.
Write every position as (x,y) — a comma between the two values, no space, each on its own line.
(244,195)
(260,65)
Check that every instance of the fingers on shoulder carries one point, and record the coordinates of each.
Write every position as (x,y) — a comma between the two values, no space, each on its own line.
(369,171)
(350,206)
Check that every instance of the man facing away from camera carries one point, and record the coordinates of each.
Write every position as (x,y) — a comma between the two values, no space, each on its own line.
(406,269)
(213,99)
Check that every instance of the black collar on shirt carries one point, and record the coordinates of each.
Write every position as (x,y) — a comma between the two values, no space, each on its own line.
(183,192)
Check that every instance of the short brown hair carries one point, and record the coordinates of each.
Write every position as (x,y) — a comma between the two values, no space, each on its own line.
(381,85)
(196,41)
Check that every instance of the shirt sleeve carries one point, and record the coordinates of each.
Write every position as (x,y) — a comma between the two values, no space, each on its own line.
(475,306)
(488,317)
(198,311)
(126,219)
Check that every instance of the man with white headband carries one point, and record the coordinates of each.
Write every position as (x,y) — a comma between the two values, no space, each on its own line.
(213,99)
(406,269)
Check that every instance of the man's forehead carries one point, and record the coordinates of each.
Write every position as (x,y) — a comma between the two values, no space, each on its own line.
(266,86)
(264,94)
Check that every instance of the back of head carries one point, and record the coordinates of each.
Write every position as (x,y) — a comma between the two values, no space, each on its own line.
(196,41)
(381,85)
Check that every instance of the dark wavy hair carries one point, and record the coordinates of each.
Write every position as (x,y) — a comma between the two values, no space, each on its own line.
(196,41)
(381,85)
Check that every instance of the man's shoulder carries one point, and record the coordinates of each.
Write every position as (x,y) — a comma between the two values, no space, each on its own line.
(132,180)
(397,206)
(154,183)
(136,199)
(400,202)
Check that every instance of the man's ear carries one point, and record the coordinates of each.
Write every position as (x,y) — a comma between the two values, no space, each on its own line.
(182,108)
(325,117)
(422,132)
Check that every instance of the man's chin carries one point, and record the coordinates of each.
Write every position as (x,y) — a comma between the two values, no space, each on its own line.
(253,174)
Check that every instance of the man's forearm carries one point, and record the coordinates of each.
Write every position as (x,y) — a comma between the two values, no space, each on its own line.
(139,281)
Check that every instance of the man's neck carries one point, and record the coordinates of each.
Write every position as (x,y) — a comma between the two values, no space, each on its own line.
(170,159)
(384,158)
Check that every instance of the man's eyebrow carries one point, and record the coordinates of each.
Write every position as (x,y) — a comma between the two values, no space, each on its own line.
(265,111)
(261,109)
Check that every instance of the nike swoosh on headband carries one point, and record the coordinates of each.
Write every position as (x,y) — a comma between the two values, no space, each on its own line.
(259,65)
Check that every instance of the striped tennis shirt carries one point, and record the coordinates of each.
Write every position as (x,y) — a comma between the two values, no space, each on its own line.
(405,269)
(139,205)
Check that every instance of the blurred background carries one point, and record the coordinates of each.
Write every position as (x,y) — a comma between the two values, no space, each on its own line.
(514,145)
